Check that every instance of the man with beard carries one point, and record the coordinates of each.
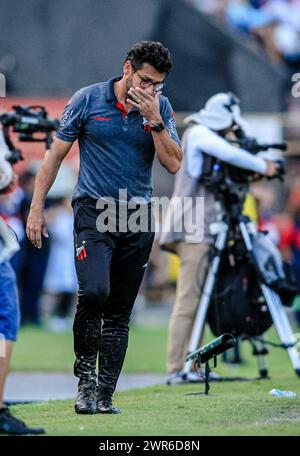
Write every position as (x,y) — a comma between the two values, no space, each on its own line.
(120,124)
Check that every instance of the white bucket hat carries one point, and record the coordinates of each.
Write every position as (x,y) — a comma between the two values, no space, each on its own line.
(220,112)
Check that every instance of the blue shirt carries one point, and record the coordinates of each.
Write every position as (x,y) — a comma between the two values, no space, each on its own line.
(115,151)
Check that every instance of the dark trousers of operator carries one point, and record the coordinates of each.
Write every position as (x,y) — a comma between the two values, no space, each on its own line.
(110,267)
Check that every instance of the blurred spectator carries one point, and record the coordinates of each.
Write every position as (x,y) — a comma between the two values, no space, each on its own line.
(33,263)
(60,279)
(211,7)
(274,23)
(29,263)
(265,196)
(290,240)
(10,212)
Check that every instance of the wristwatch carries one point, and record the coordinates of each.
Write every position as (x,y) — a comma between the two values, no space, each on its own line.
(158,127)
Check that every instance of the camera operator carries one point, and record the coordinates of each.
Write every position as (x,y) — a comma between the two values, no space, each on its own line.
(9,305)
(207,138)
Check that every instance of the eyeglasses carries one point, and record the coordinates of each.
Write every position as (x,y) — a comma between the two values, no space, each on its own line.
(145,83)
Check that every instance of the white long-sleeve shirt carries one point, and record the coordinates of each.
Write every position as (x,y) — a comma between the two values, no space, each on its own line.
(201,139)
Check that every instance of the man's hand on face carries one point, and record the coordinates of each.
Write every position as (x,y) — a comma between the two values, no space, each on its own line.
(147,104)
(36,227)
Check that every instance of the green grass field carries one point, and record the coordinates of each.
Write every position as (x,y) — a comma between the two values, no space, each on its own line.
(239,408)
(41,350)
(232,409)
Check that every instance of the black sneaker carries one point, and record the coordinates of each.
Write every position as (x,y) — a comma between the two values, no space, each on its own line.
(86,398)
(13,426)
(104,403)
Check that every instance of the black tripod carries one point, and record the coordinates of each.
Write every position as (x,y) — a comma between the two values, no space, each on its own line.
(231,196)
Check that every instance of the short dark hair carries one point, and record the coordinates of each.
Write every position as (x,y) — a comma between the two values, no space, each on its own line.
(151,52)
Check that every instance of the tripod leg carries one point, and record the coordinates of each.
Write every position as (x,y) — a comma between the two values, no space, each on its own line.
(234,354)
(260,350)
(277,311)
(282,325)
(199,324)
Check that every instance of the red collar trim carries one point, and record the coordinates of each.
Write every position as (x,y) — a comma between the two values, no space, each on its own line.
(120,106)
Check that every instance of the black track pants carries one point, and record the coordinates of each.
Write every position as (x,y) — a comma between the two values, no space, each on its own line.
(110,268)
